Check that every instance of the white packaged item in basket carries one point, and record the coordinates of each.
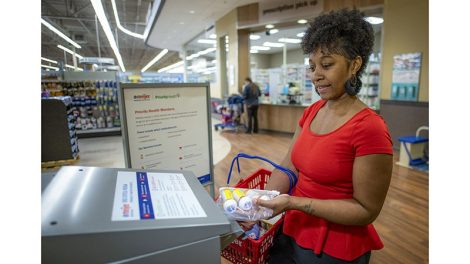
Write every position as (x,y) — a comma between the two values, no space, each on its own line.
(238,203)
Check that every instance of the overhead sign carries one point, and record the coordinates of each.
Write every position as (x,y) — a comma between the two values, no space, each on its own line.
(97,60)
(282,10)
(167,126)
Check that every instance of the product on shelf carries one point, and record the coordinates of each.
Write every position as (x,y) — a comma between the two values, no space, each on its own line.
(95,101)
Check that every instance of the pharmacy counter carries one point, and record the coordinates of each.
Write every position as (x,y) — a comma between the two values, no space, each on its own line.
(280,117)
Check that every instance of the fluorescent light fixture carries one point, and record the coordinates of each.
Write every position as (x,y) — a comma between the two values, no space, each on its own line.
(300,21)
(260,48)
(71,67)
(107,30)
(178,69)
(301,34)
(192,56)
(374,20)
(118,23)
(253,51)
(210,69)
(206,41)
(212,36)
(46,59)
(289,40)
(157,58)
(203,52)
(273,44)
(269,26)
(49,67)
(69,51)
(206,51)
(273,31)
(174,65)
(254,37)
(62,35)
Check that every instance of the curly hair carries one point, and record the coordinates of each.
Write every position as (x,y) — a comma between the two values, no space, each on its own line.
(343,32)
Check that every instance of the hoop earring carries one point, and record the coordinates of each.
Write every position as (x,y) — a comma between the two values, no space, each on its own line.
(351,85)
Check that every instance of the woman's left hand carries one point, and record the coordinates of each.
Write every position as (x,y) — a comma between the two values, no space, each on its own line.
(279,204)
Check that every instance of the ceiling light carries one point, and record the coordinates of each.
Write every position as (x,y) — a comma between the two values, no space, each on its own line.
(202,52)
(253,51)
(118,23)
(289,40)
(260,48)
(269,26)
(192,56)
(50,67)
(191,11)
(174,65)
(212,36)
(273,44)
(273,31)
(107,30)
(206,41)
(254,37)
(71,67)
(301,34)
(302,21)
(45,59)
(374,20)
(210,69)
(55,30)
(69,51)
(157,58)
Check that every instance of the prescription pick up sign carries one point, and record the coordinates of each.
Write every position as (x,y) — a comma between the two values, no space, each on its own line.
(167,128)
(145,195)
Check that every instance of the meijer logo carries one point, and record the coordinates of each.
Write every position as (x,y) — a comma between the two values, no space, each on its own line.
(142,97)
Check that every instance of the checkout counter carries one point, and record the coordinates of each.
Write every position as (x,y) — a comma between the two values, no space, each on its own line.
(101,215)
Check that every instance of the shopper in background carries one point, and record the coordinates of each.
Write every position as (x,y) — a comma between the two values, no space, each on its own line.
(341,152)
(251,92)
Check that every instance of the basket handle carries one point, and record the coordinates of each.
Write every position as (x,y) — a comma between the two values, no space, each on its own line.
(290,174)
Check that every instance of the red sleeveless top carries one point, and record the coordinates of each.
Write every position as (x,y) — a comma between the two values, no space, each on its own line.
(325,164)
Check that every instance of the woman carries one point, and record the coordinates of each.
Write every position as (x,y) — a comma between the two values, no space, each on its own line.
(251,92)
(341,152)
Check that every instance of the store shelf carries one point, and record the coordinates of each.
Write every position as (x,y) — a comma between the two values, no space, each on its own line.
(369,93)
(95,104)
(97,132)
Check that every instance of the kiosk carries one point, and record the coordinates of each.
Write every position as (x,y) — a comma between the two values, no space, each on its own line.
(98,215)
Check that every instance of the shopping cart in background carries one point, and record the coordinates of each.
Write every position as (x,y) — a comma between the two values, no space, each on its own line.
(231,113)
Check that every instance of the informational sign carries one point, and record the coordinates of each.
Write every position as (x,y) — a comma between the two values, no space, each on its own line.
(405,78)
(281,10)
(146,195)
(167,126)
(96,60)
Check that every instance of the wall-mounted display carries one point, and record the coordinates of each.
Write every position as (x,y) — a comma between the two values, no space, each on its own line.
(405,79)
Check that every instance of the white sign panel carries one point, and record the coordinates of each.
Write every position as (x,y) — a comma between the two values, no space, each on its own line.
(168,128)
(146,195)
(281,10)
